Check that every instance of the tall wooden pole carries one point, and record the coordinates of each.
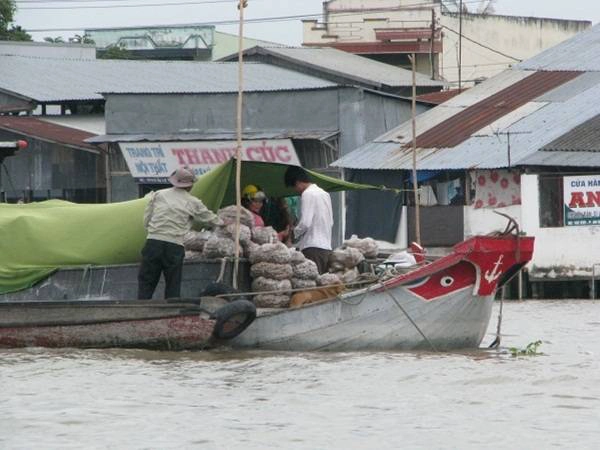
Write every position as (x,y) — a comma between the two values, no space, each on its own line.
(238,151)
(460,17)
(413,60)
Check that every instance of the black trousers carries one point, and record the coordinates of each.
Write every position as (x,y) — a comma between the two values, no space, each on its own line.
(160,257)
(320,256)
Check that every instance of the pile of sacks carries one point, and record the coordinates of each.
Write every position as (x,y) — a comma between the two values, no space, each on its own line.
(275,270)
(344,261)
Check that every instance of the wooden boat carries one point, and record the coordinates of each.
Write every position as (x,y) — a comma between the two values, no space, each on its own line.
(443,305)
(163,324)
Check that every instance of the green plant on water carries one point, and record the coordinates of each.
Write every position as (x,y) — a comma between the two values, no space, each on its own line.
(530,350)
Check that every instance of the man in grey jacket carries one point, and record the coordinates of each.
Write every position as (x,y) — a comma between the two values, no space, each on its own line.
(167,218)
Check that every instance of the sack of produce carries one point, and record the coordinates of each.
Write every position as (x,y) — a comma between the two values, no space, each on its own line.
(262,284)
(228,231)
(218,247)
(271,301)
(195,240)
(299,283)
(228,214)
(271,270)
(274,253)
(191,255)
(350,276)
(328,279)
(345,258)
(264,235)
(307,270)
(367,246)
(297,257)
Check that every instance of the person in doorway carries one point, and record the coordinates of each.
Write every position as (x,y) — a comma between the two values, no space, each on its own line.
(253,199)
(459,197)
(168,217)
(316,217)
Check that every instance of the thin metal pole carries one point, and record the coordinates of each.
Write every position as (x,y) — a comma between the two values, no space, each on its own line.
(238,151)
(460,13)
(431,55)
(414,151)
(508,142)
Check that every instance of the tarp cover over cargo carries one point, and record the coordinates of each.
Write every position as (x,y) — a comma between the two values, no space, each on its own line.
(38,238)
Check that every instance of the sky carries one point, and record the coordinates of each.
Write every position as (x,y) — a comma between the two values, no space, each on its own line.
(79,16)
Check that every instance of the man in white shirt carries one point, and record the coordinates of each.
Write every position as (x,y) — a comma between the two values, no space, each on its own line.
(316,218)
(167,218)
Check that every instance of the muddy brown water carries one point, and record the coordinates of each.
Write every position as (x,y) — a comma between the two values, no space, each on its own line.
(129,399)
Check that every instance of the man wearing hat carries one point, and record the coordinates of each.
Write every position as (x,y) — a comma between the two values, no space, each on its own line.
(167,218)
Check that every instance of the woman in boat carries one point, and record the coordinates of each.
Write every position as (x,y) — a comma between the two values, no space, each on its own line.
(253,199)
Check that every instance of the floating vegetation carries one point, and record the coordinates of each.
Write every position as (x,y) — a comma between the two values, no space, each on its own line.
(530,350)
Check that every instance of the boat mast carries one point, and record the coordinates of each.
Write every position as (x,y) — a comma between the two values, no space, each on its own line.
(238,151)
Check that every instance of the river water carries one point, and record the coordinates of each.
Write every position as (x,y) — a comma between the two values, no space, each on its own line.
(129,399)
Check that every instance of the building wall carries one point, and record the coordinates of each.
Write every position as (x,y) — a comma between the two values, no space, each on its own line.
(562,252)
(271,111)
(519,37)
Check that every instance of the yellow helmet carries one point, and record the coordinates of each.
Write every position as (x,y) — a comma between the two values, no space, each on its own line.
(252,192)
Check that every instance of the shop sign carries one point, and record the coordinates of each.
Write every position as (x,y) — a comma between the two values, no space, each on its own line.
(582,200)
(153,162)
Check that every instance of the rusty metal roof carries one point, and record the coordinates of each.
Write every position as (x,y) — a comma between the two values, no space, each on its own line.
(440,97)
(49,132)
(462,125)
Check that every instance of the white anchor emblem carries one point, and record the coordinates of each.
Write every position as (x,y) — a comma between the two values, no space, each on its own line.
(494,274)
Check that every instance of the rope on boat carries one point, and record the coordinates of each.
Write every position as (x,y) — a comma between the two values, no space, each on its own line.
(222,271)
(395,300)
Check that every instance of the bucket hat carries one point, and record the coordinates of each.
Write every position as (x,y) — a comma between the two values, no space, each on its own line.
(182,178)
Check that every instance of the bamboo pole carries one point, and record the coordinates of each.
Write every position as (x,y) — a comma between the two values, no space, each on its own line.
(414,150)
(238,151)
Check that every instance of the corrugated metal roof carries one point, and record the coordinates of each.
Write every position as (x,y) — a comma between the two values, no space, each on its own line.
(564,159)
(214,136)
(347,65)
(462,125)
(585,137)
(53,80)
(578,53)
(440,97)
(531,126)
(33,127)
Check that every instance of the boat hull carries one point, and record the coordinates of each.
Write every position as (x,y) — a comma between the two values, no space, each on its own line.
(374,321)
(172,333)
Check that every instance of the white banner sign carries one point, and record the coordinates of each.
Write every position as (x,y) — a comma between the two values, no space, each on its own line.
(582,200)
(153,162)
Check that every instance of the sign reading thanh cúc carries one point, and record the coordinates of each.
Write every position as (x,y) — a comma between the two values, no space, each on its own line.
(582,200)
(153,162)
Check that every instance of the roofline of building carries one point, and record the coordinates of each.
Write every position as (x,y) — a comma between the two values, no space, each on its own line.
(528,18)
(153,27)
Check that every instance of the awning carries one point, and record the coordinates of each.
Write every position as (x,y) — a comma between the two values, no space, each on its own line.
(321,135)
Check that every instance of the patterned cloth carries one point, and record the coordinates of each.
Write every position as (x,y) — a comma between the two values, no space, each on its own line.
(497,188)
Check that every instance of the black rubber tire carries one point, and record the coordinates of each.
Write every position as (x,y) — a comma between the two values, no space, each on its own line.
(214,289)
(233,318)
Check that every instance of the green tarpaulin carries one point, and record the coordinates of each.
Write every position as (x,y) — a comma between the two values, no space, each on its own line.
(38,238)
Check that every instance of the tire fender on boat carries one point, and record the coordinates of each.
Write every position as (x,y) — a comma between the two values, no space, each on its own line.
(233,318)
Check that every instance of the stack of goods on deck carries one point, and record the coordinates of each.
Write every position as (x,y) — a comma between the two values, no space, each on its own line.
(271,272)
(344,261)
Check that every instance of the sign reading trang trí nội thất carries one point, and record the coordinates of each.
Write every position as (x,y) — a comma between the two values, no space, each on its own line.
(581,200)
(153,162)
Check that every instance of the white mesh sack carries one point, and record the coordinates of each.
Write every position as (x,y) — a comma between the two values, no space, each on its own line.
(271,301)
(218,247)
(367,246)
(228,231)
(345,258)
(297,256)
(298,283)
(191,255)
(273,253)
(264,235)
(262,284)
(306,271)
(228,214)
(195,240)
(328,279)
(271,270)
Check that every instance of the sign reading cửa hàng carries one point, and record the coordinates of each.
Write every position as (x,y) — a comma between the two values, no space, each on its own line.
(581,200)
(153,162)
